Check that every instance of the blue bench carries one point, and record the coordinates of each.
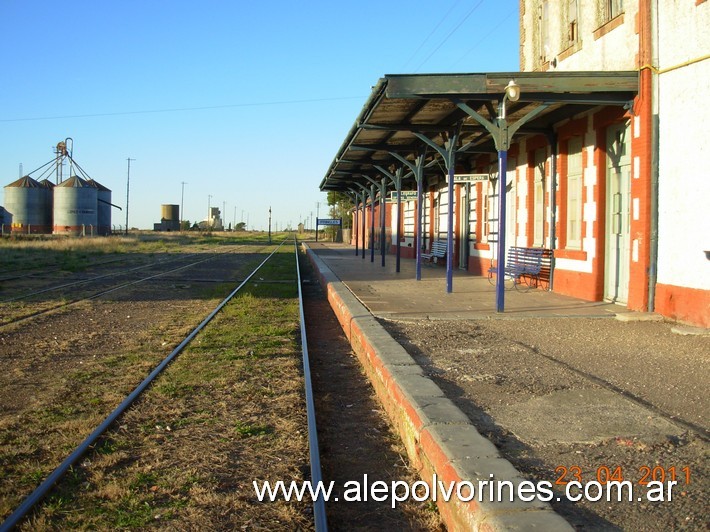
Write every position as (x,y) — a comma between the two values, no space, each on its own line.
(438,251)
(523,265)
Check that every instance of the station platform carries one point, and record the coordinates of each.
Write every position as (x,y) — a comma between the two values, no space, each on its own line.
(398,295)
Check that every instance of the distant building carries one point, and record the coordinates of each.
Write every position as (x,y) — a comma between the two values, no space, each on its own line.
(214,222)
(5,220)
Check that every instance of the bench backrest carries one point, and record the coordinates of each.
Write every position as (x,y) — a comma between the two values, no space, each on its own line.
(438,247)
(525,256)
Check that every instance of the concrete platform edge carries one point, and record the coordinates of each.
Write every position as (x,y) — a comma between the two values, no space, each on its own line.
(438,437)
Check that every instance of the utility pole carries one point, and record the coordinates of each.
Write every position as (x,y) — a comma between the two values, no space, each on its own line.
(182,197)
(128,188)
(234,220)
(269,224)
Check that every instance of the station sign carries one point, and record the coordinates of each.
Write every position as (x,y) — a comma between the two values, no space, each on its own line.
(471,178)
(406,195)
(328,221)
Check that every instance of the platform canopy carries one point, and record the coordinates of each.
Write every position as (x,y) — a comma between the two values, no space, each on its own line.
(403,107)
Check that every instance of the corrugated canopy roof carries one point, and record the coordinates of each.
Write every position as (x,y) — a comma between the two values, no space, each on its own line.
(428,104)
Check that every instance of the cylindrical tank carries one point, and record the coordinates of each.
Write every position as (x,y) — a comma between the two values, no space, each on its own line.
(26,201)
(103,207)
(48,199)
(75,206)
(170,213)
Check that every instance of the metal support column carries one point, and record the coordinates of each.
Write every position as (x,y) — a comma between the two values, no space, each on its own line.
(552,139)
(356,218)
(396,179)
(383,218)
(502,133)
(381,186)
(372,223)
(448,153)
(363,201)
(500,266)
(417,169)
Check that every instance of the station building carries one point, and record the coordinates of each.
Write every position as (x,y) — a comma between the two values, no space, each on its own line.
(604,151)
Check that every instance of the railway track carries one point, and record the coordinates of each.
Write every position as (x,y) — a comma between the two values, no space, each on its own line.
(76,291)
(98,439)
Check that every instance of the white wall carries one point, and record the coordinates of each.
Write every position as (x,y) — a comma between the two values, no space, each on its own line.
(684,179)
(616,50)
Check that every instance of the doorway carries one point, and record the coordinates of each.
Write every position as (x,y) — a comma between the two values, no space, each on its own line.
(618,216)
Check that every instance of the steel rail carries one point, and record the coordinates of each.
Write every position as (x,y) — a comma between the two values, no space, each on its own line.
(41,491)
(319,516)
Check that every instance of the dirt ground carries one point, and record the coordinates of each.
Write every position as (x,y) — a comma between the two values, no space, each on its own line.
(569,399)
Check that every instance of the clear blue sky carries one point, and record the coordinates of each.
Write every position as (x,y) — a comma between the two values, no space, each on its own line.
(245,101)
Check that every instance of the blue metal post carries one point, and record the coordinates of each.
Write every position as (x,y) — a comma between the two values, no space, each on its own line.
(364,222)
(372,223)
(418,240)
(450,233)
(383,218)
(355,224)
(500,267)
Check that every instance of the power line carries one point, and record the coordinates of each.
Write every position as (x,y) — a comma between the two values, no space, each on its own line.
(484,37)
(449,35)
(183,109)
(431,33)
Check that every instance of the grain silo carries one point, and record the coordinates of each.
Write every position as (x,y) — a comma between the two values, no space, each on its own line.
(48,206)
(27,200)
(103,207)
(75,207)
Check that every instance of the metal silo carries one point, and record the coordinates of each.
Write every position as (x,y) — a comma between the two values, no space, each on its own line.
(103,207)
(47,199)
(75,206)
(26,200)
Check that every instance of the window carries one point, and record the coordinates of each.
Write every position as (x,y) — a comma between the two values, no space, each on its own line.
(488,202)
(410,215)
(472,213)
(442,220)
(426,226)
(544,29)
(572,28)
(574,193)
(608,9)
(614,8)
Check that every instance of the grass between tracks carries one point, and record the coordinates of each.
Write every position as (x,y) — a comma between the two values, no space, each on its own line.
(229,410)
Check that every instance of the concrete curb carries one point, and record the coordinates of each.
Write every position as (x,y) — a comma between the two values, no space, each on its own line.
(438,436)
